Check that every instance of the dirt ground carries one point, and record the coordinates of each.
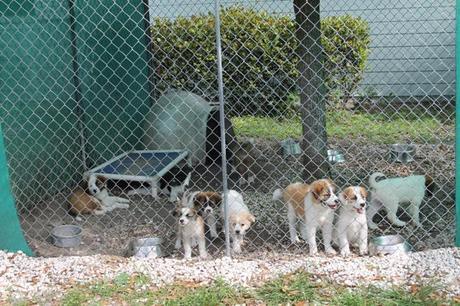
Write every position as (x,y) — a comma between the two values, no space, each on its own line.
(111,233)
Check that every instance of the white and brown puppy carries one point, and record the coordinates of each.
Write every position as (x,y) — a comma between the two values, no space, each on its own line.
(319,202)
(205,204)
(240,219)
(293,196)
(390,193)
(190,231)
(351,226)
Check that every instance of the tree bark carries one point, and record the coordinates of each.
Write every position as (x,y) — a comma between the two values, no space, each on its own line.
(312,90)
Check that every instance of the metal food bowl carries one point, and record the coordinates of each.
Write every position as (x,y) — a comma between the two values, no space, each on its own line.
(335,156)
(145,247)
(66,236)
(388,245)
(402,153)
(290,147)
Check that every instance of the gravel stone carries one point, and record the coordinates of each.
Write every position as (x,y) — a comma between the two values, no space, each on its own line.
(29,277)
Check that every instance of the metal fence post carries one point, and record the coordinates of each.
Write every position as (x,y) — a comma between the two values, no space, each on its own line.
(457,126)
(222,125)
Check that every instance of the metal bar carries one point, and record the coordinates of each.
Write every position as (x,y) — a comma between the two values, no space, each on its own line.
(222,125)
(457,129)
(77,83)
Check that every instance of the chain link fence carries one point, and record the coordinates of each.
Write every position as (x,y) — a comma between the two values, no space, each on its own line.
(132,91)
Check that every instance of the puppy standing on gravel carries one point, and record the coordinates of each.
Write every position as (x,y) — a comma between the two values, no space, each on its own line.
(352,224)
(318,202)
(390,193)
(190,231)
(240,219)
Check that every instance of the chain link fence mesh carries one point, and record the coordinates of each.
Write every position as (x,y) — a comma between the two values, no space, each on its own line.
(83,82)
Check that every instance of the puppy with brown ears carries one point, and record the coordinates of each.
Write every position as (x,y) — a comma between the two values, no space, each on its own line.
(190,231)
(206,203)
(240,219)
(352,224)
(317,202)
(320,204)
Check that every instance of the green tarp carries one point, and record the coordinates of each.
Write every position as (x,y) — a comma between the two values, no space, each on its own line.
(11,237)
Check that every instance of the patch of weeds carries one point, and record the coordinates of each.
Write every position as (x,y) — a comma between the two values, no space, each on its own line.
(292,288)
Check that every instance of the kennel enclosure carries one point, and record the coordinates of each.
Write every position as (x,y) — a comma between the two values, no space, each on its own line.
(85,81)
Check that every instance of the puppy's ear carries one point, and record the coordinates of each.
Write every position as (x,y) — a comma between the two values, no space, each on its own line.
(216,198)
(363,191)
(199,200)
(251,218)
(316,189)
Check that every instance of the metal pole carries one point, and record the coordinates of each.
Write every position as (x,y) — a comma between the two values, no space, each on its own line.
(457,126)
(76,80)
(223,143)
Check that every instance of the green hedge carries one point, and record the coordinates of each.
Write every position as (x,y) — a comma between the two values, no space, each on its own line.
(259,57)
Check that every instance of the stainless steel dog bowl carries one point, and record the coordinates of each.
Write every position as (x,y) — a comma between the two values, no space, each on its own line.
(290,147)
(66,236)
(389,244)
(335,156)
(402,153)
(146,247)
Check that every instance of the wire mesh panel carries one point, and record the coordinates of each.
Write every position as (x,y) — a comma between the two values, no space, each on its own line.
(112,115)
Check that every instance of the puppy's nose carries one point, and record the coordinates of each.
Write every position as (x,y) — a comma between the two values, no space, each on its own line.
(237,231)
(181,220)
(363,204)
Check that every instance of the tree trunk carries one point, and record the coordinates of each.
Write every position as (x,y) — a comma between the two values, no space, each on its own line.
(312,90)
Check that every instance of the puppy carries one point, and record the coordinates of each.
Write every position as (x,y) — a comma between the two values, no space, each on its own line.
(352,225)
(206,203)
(320,204)
(239,217)
(293,196)
(190,231)
(244,162)
(98,189)
(390,193)
(173,183)
(82,202)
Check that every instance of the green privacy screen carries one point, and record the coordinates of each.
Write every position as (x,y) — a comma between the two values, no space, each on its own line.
(60,60)
(11,237)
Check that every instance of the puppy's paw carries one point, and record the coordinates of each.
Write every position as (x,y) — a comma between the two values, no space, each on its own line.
(399,223)
(345,252)
(330,251)
(296,240)
(178,245)
(204,256)
(363,252)
(372,225)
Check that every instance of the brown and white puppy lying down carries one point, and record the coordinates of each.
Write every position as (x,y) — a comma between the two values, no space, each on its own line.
(190,231)
(351,226)
(82,201)
(314,204)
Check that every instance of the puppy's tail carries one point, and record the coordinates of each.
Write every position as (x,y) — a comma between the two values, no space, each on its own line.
(374,177)
(429,185)
(278,194)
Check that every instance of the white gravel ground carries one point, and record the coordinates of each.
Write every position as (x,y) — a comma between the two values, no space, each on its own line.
(24,277)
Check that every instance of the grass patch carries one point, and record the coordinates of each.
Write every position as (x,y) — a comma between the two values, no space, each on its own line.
(376,128)
(289,289)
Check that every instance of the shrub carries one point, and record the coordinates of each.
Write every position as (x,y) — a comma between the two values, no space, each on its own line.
(259,57)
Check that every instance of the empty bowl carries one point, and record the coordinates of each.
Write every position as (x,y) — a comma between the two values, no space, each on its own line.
(66,236)
(388,245)
(402,153)
(145,247)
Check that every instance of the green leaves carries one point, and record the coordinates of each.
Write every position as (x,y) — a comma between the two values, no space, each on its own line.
(259,57)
